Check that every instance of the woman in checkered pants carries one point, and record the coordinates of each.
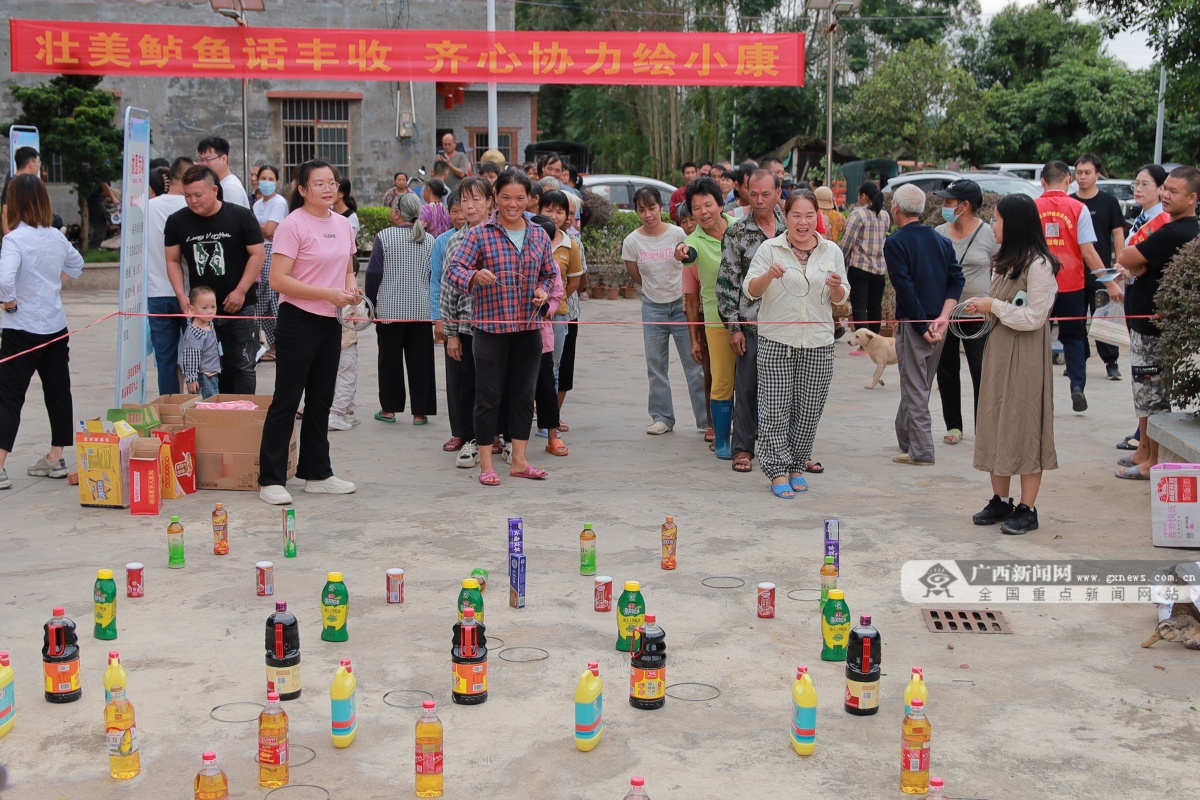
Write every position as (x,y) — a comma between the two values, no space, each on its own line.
(800,276)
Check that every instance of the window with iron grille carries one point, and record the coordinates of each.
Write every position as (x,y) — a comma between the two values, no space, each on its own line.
(315,129)
(504,138)
(54,169)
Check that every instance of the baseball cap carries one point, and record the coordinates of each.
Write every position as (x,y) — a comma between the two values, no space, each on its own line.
(824,197)
(788,183)
(963,190)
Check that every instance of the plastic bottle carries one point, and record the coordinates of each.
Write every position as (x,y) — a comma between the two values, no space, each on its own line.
(471,596)
(114,675)
(864,658)
(283,653)
(637,789)
(343,705)
(335,609)
(914,750)
(829,576)
(468,653)
(835,627)
(429,752)
(589,708)
(273,744)
(631,613)
(8,709)
(916,688)
(104,605)
(670,542)
(210,783)
(175,544)
(60,659)
(220,522)
(587,550)
(937,789)
(648,666)
(120,729)
(804,712)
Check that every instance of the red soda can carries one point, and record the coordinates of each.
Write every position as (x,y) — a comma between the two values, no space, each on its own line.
(766,600)
(135,579)
(603,593)
(395,586)
(265,578)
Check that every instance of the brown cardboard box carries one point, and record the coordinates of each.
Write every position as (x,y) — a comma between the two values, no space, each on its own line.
(227,443)
(170,407)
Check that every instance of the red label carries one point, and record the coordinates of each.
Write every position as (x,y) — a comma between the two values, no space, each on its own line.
(766,603)
(914,759)
(429,763)
(272,751)
(603,597)
(1177,489)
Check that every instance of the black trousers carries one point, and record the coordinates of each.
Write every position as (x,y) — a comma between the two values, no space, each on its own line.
(566,365)
(239,346)
(506,368)
(1108,353)
(308,348)
(948,371)
(545,393)
(866,297)
(406,347)
(52,365)
(460,390)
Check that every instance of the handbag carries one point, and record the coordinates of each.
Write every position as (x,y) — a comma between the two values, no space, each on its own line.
(1108,325)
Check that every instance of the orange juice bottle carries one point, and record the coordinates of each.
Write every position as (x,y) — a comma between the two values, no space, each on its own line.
(210,783)
(670,539)
(914,750)
(124,762)
(429,752)
(273,744)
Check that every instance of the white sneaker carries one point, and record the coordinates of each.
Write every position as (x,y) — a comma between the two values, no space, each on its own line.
(352,419)
(275,495)
(507,454)
(468,456)
(339,423)
(658,428)
(331,485)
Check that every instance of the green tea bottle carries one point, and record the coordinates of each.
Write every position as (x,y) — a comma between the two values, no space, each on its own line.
(105,605)
(471,596)
(835,627)
(335,608)
(631,614)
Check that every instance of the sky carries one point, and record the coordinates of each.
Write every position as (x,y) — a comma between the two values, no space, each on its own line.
(1128,47)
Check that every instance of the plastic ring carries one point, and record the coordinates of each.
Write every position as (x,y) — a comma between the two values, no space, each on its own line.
(259,706)
(495,643)
(715,693)
(292,748)
(291,791)
(420,697)
(814,599)
(527,654)
(723,582)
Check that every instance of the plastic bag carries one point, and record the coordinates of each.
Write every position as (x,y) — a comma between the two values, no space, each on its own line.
(1108,325)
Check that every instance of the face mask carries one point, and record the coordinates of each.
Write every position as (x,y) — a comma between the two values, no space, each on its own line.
(267,188)
(948,214)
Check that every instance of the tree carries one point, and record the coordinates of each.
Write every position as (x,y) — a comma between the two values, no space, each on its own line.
(1021,43)
(884,26)
(75,121)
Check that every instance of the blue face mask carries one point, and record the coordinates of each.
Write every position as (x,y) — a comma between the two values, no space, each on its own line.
(947,213)
(267,188)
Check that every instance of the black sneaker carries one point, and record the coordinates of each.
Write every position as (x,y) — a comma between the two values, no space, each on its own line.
(1078,401)
(1023,520)
(996,510)
(1114,372)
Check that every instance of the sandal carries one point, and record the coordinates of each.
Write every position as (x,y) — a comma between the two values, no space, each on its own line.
(814,467)
(1129,443)
(497,446)
(954,436)
(453,444)
(710,435)
(489,478)
(742,461)
(798,483)
(531,472)
(564,427)
(557,448)
(267,357)
(1125,461)
(390,420)
(782,491)
(1133,473)
(419,419)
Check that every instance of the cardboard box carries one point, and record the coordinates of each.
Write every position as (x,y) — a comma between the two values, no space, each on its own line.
(102,457)
(170,407)
(143,420)
(1175,505)
(227,443)
(516,580)
(179,459)
(146,476)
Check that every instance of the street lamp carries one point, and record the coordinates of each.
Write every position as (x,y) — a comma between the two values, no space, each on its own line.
(837,9)
(236,11)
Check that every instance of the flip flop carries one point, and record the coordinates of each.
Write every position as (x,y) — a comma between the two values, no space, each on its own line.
(489,478)
(419,420)
(798,483)
(710,435)
(953,436)
(745,461)
(1125,461)
(1131,474)
(531,472)
(389,420)
(782,490)
(1126,444)
(557,448)
(814,467)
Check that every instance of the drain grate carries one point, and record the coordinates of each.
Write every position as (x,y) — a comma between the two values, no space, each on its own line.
(949,620)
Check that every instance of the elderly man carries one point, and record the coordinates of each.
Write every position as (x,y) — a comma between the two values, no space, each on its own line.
(456,160)
(928,281)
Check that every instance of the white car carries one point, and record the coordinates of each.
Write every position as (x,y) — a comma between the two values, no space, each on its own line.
(1123,191)
(619,189)
(931,180)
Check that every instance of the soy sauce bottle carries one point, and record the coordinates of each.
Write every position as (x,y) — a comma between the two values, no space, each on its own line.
(60,659)
(863,660)
(283,653)
(648,673)
(469,656)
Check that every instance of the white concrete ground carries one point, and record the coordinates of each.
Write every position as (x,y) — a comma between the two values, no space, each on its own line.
(1068,706)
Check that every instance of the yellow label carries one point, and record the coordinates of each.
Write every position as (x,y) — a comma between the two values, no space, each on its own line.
(862,694)
(105,613)
(284,680)
(626,624)
(647,684)
(470,678)
(335,616)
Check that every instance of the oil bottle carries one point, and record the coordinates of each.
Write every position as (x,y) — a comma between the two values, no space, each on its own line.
(273,744)
(343,705)
(863,663)
(120,730)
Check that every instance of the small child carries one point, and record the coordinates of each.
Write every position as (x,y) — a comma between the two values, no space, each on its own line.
(341,413)
(200,353)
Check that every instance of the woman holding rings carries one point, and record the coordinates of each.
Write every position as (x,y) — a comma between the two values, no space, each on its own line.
(800,276)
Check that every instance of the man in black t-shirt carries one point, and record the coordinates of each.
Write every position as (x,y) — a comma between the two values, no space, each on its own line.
(1145,262)
(1109,224)
(222,247)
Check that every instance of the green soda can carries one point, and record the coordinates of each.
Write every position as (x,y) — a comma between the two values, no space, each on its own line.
(471,596)
(480,574)
(631,614)
(105,605)
(335,608)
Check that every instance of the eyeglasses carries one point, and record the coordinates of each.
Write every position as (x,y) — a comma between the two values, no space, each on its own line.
(1143,185)
(321,186)
(209,159)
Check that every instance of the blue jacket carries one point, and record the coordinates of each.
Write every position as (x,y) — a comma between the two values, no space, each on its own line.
(924,272)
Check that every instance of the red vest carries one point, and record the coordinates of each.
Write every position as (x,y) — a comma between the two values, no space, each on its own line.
(1060,224)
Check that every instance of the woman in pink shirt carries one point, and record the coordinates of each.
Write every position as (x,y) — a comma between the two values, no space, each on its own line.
(312,268)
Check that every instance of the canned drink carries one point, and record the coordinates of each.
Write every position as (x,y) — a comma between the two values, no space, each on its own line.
(603,593)
(265,578)
(395,586)
(766,600)
(480,574)
(135,579)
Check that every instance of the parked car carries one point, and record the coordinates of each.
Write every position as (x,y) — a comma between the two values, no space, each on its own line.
(930,180)
(1123,191)
(1030,172)
(619,189)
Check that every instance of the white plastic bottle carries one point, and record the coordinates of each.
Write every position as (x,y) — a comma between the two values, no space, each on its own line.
(637,790)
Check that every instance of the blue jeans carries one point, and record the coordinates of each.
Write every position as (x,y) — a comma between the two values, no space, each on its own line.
(209,385)
(560,339)
(657,339)
(164,336)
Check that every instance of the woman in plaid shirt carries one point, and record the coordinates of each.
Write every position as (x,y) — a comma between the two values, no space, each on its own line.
(507,266)
(862,244)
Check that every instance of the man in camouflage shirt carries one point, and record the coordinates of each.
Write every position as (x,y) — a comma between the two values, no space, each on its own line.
(765,221)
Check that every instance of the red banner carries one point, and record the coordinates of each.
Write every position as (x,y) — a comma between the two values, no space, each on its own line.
(623,58)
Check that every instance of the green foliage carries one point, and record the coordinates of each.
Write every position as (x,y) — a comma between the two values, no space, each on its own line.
(1178,301)
(1022,42)
(604,118)
(602,244)
(883,26)
(100,256)
(371,220)
(778,113)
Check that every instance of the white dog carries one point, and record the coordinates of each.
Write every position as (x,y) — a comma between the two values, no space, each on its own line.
(881,349)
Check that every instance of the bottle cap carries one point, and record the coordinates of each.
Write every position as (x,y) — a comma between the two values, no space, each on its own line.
(345,662)
(114,654)
(632,586)
(670,519)
(587,526)
(334,577)
(650,619)
(468,613)
(104,574)
(638,781)
(864,619)
(59,611)
(220,505)
(919,671)
(429,705)
(801,670)
(828,559)
(470,583)
(280,605)
(594,666)
(837,594)
(938,782)
(3,659)
(272,697)
(209,756)
(174,519)
(917,703)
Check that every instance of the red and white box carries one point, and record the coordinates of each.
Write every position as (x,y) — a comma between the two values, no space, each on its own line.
(180,455)
(146,476)
(1175,505)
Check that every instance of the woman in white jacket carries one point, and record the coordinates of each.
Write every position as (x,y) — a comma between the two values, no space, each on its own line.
(800,276)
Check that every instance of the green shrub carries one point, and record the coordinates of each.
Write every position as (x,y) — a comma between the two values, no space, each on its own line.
(371,219)
(602,244)
(99,256)
(1178,301)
